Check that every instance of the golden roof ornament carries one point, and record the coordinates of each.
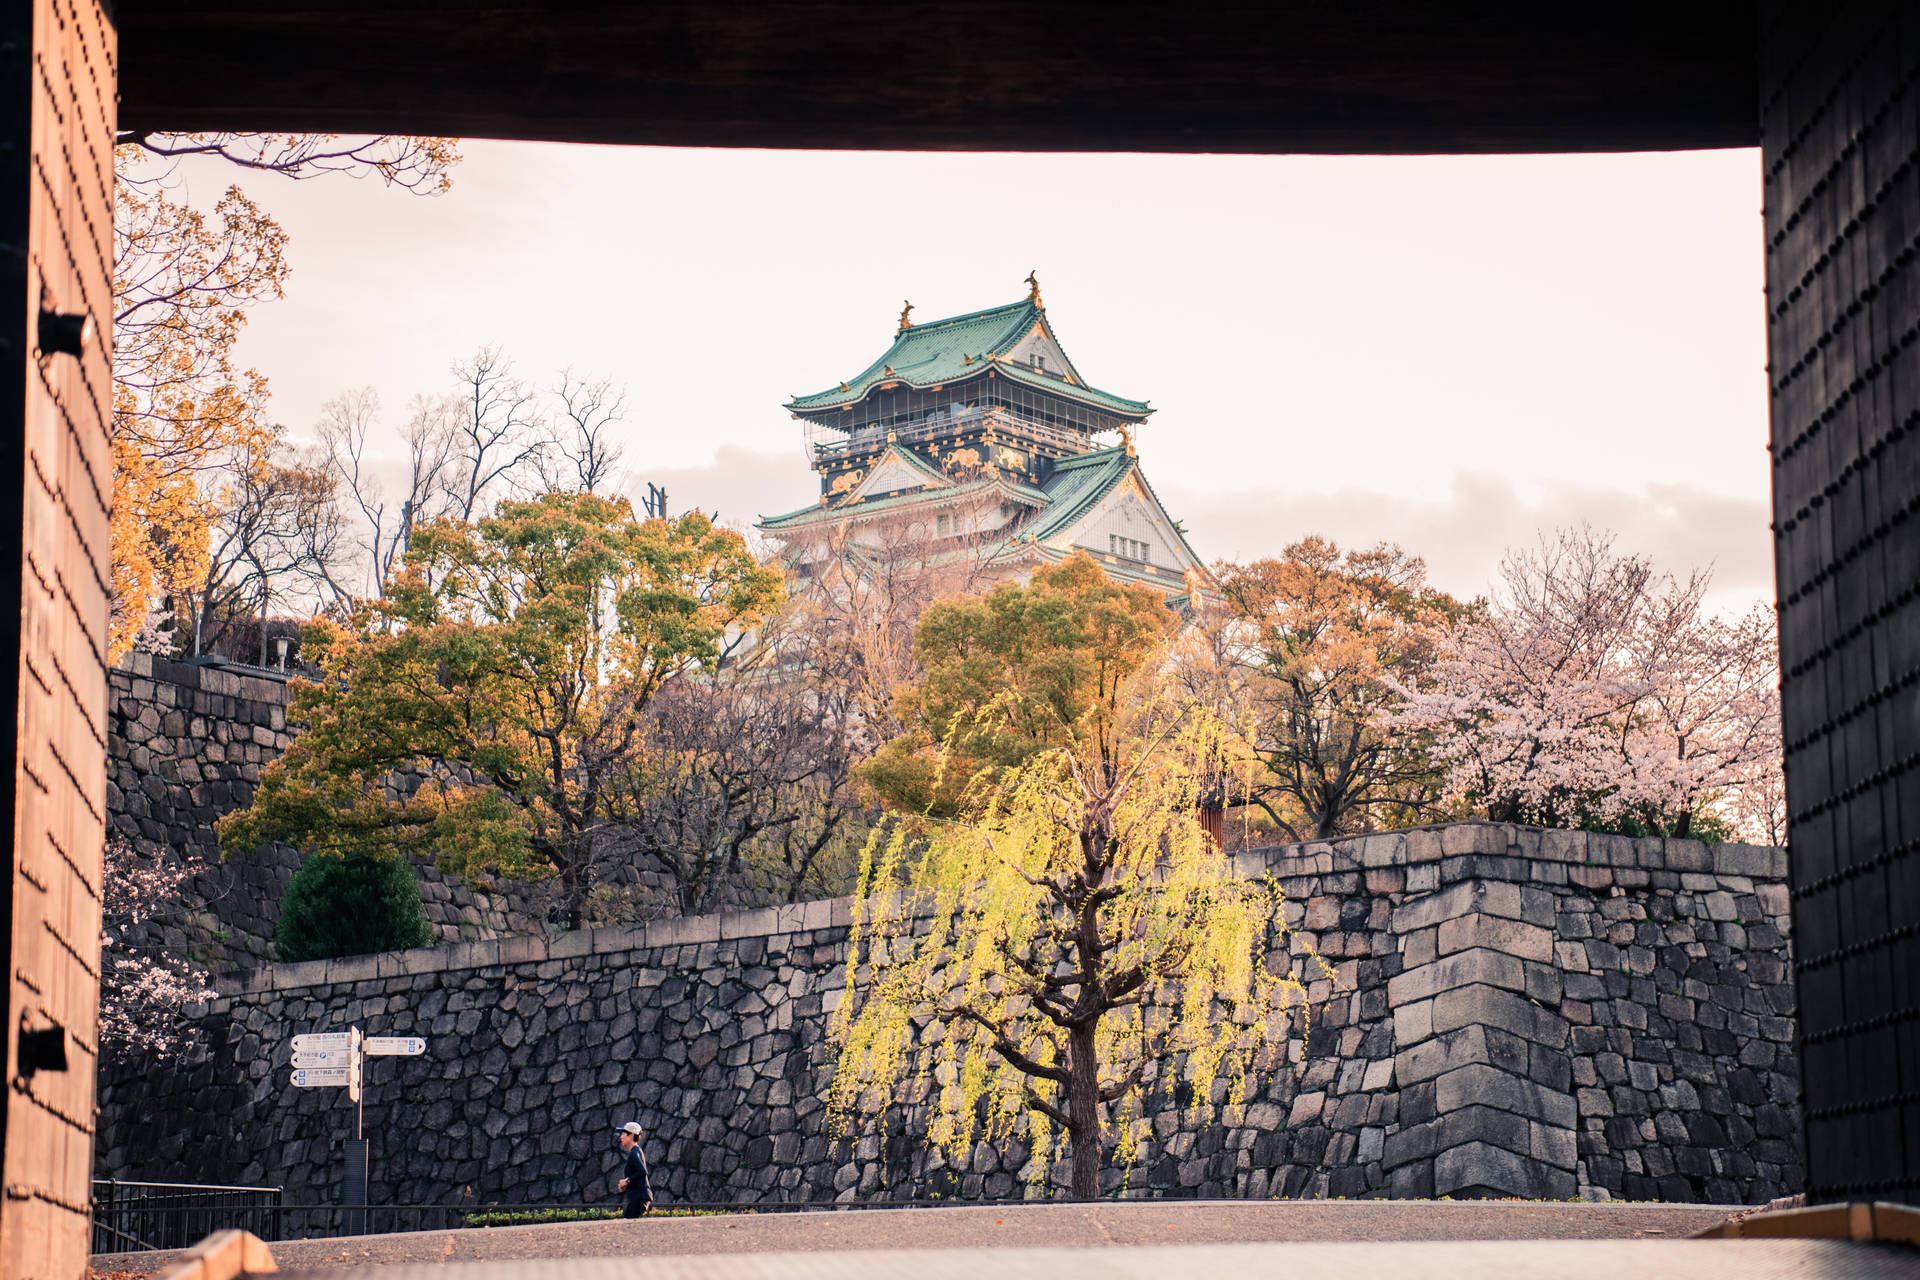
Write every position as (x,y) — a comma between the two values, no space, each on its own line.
(906,309)
(1126,438)
(1033,288)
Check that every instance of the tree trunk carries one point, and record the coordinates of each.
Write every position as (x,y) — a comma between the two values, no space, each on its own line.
(1083,1110)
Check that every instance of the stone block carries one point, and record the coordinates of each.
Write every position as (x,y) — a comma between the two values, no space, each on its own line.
(572,944)
(1481,1169)
(1484,1085)
(1383,850)
(1464,968)
(619,939)
(676,931)
(1590,877)
(1530,942)
(351,969)
(1683,855)
(1306,1109)
(1744,860)
(1412,1023)
(1488,1006)
(306,973)
(1563,846)
(748,924)
(473,955)
(1571,956)
(420,960)
(1490,897)
(522,950)
(1443,1053)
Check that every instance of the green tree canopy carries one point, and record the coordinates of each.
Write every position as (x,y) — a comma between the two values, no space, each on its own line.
(350,905)
(1020,670)
(482,712)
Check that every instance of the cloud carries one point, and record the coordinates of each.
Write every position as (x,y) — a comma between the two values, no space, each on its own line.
(1463,528)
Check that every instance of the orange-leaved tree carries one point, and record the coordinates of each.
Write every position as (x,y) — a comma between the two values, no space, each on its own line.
(484,713)
(1325,636)
(184,278)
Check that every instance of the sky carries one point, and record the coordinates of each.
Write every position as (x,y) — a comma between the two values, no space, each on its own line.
(1452,353)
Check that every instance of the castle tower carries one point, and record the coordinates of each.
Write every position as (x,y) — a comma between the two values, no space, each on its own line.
(976,435)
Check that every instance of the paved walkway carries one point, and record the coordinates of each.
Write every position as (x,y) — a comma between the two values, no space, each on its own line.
(1026,1227)
(1426,1260)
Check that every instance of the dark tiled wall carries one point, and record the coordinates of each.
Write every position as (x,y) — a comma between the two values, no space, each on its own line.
(1840,112)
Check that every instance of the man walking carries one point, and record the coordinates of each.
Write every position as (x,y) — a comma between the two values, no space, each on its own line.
(636,1186)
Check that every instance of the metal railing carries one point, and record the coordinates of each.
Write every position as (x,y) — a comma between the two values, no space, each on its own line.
(174,1220)
(942,422)
(132,1216)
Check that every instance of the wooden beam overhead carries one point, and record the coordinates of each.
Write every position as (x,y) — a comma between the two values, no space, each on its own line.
(1368,77)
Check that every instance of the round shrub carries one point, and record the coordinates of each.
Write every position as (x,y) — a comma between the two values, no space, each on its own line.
(350,905)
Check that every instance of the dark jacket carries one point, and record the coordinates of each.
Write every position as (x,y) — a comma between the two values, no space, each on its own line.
(639,1188)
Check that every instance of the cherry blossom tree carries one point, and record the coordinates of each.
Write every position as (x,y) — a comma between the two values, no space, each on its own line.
(144,991)
(1592,691)
(1705,731)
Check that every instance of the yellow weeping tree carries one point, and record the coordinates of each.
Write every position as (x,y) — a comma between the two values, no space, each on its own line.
(1064,930)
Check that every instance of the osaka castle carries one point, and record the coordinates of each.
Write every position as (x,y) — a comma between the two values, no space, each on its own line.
(976,437)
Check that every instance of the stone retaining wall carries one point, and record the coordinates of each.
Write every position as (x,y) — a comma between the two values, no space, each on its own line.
(1514,1012)
(186,743)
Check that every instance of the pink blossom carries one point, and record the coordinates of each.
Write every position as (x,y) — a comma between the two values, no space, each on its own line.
(146,993)
(1591,688)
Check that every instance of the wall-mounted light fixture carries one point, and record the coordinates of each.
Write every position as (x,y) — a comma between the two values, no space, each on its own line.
(65,333)
(43,1049)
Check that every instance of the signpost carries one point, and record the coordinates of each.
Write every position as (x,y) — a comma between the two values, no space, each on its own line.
(320,1058)
(330,1059)
(321,1040)
(318,1077)
(396,1046)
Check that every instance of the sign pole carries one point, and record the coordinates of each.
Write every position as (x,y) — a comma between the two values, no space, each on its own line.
(334,1058)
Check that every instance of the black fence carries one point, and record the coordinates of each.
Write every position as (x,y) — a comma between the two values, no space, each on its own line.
(131,1216)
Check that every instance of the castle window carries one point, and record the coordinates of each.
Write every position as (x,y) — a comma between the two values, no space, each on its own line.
(945,525)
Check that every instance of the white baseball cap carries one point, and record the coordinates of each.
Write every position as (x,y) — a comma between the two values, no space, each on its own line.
(632,1127)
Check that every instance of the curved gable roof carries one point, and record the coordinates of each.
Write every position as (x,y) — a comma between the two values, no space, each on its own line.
(961,348)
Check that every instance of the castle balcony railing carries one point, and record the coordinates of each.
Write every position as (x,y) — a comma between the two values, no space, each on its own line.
(945,422)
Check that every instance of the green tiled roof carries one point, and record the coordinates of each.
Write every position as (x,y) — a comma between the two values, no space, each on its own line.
(960,348)
(1080,483)
(1077,483)
(900,498)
